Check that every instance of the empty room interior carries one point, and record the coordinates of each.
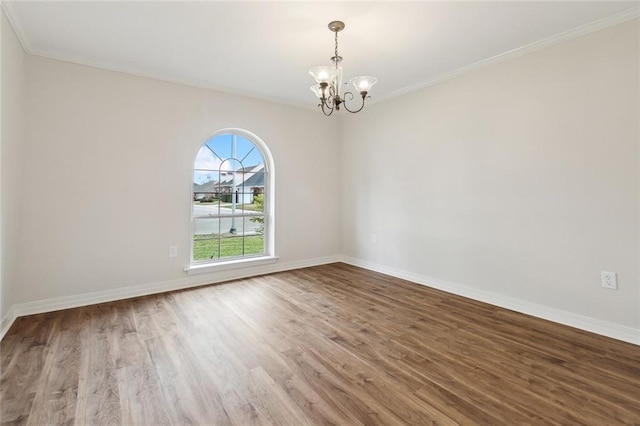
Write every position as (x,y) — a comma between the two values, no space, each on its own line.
(347,213)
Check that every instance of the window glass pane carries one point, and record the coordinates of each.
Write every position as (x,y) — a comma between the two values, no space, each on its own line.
(205,179)
(231,245)
(240,245)
(254,244)
(252,186)
(206,238)
(207,160)
(206,226)
(206,188)
(208,206)
(254,225)
(245,149)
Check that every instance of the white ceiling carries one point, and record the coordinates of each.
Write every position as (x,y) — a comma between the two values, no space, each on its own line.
(264,49)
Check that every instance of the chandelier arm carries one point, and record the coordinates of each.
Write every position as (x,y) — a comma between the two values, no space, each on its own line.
(327,105)
(350,95)
(330,99)
(323,106)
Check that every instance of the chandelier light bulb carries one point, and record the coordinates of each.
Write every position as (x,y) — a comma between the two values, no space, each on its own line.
(323,74)
(363,84)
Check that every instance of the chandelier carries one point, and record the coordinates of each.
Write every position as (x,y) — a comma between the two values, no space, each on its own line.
(329,81)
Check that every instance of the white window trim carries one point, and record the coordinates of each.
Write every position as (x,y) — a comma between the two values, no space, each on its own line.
(203,268)
(269,208)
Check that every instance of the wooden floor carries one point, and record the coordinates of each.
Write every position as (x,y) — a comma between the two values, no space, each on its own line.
(332,344)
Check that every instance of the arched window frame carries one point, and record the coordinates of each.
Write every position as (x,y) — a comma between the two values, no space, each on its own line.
(269,210)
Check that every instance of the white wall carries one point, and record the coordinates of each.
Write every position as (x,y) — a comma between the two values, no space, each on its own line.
(107,175)
(10,161)
(519,179)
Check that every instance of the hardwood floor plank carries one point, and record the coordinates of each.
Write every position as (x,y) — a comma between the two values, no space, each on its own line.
(141,396)
(271,402)
(154,317)
(23,361)
(192,398)
(98,395)
(332,344)
(128,348)
(55,401)
(337,391)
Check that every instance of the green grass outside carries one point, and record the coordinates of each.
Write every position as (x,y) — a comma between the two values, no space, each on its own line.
(205,247)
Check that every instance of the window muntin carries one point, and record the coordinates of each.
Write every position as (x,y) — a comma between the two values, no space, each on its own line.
(230,183)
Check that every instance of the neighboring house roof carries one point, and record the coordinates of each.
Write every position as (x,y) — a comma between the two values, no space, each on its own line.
(242,175)
(256,180)
(205,187)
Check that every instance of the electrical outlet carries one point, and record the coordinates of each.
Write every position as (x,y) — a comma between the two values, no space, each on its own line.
(173,251)
(609,280)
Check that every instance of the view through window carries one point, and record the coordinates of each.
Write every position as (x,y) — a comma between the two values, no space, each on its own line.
(228,200)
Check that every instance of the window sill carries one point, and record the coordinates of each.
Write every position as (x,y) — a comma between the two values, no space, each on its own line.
(231,264)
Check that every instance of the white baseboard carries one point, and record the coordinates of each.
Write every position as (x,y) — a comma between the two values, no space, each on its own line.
(67,302)
(604,328)
(615,331)
(7,321)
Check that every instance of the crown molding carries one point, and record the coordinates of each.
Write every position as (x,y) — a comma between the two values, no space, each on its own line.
(618,18)
(14,21)
(172,80)
(11,13)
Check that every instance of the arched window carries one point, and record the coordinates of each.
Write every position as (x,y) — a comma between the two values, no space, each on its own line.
(232,204)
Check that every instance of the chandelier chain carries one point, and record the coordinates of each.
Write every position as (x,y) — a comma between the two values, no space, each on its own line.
(336,50)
